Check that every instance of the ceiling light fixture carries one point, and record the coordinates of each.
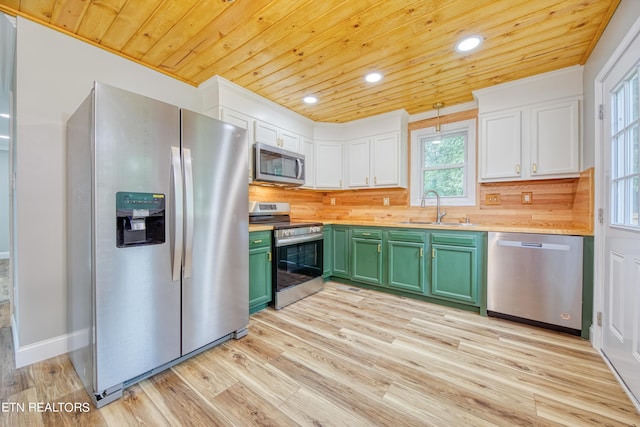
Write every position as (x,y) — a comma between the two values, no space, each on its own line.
(468,44)
(437,106)
(309,99)
(4,137)
(6,116)
(373,77)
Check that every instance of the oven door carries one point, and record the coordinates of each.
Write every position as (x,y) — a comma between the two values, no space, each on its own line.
(298,260)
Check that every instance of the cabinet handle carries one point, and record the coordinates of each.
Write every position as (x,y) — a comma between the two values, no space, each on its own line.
(257,241)
(366,234)
(433,252)
(518,168)
(366,180)
(421,252)
(375,180)
(534,167)
(268,256)
(340,184)
(379,248)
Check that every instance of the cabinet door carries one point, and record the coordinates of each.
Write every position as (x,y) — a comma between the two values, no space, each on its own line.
(244,122)
(555,139)
(309,163)
(501,146)
(367,260)
(289,140)
(266,133)
(340,254)
(386,160)
(259,278)
(327,255)
(359,160)
(454,273)
(406,265)
(328,165)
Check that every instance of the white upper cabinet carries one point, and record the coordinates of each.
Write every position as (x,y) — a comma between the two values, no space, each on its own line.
(359,156)
(389,161)
(267,133)
(328,162)
(555,139)
(501,146)
(309,161)
(530,129)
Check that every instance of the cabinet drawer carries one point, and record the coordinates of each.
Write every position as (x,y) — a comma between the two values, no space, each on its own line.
(365,233)
(454,239)
(259,239)
(406,236)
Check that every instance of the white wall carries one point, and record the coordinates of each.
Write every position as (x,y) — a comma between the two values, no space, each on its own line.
(54,74)
(626,14)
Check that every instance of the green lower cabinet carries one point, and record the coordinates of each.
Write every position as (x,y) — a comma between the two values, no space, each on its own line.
(454,274)
(327,261)
(260,286)
(367,260)
(341,253)
(406,266)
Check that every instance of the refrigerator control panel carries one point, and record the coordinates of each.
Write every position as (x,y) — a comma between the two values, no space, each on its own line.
(140,219)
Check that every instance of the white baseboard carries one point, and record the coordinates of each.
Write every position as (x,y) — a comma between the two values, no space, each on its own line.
(42,350)
(4,255)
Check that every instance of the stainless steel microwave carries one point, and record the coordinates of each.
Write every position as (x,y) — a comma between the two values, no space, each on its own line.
(277,166)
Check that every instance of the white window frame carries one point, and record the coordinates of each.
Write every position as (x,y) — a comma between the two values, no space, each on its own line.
(468,126)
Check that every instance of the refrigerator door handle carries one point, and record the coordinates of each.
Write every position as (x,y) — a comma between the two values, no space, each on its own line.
(189,212)
(178,209)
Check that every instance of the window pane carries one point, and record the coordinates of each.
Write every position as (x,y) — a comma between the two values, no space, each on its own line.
(635,150)
(617,202)
(447,182)
(635,93)
(450,151)
(634,201)
(617,157)
(617,114)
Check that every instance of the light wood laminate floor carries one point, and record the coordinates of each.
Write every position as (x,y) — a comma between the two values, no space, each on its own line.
(349,357)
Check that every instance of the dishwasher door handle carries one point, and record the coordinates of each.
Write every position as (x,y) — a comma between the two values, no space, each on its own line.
(534,245)
(531,245)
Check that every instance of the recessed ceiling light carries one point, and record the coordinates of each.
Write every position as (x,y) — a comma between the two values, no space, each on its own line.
(468,43)
(310,99)
(373,77)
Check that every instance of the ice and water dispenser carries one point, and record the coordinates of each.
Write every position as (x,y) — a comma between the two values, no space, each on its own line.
(140,219)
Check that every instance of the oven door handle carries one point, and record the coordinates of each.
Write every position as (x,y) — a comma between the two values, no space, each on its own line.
(286,241)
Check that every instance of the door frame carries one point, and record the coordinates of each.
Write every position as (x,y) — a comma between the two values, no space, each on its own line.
(596,333)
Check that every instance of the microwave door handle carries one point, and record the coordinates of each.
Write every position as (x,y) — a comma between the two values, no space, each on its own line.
(299,163)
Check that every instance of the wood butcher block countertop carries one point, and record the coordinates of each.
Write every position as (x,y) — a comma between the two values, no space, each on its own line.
(470,227)
(465,227)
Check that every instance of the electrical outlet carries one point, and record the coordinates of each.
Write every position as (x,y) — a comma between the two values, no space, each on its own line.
(526,197)
(385,201)
(492,199)
(333,201)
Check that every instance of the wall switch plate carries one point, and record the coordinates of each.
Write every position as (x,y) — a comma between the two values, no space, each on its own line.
(333,201)
(526,197)
(385,201)
(492,199)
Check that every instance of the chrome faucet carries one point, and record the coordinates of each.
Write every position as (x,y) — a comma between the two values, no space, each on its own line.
(438,213)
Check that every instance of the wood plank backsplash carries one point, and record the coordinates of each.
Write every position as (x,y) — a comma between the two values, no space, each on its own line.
(558,203)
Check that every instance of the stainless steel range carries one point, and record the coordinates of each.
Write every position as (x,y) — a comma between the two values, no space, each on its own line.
(298,248)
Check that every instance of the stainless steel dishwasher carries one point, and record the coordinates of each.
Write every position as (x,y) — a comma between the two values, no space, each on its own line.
(536,278)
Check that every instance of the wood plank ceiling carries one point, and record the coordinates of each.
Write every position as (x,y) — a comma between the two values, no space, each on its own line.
(286,49)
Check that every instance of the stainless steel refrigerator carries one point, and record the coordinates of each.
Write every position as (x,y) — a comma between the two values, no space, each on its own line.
(157,237)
